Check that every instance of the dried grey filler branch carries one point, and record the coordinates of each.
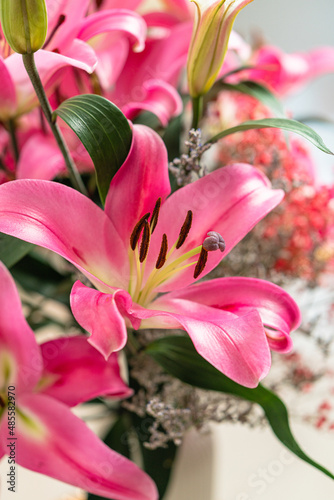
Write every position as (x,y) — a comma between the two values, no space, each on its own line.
(188,164)
(176,407)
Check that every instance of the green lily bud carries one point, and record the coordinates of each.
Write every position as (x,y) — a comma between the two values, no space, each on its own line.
(211,33)
(24,24)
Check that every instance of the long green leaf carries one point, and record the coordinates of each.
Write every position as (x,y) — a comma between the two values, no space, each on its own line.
(178,356)
(157,463)
(103,130)
(259,92)
(12,249)
(283,123)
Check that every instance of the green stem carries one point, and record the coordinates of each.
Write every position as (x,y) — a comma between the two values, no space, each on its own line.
(12,133)
(30,66)
(133,343)
(197,103)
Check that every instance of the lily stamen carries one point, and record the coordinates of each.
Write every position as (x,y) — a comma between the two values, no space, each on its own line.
(155,215)
(145,242)
(203,257)
(135,235)
(61,20)
(184,231)
(213,242)
(163,253)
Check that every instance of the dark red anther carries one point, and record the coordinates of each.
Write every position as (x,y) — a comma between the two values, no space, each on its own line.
(155,215)
(203,257)
(135,235)
(185,229)
(145,242)
(163,252)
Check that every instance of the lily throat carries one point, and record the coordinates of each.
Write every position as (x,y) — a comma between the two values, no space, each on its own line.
(143,289)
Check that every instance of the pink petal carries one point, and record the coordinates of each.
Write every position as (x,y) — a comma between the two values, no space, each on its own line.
(181,8)
(230,200)
(40,158)
(75,372)
(101,315)
(143,177)
(54,442)
(287,72)
(8,93)
(161,19)
(278,311)
(112,52)
(74,11)
(236,345)
(159,98)
(120,4)
(18,347)
(129,23)
(48,63)
(83,53)
(163,59)
(61,219)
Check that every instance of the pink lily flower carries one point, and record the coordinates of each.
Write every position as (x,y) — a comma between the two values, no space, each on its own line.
(146,280)
(148,80)
(46,380)
(285,73)
(66,46)
(17,95)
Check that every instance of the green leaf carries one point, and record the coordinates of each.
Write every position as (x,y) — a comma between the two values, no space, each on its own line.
(35,274)
(178,356)
(149,119)
(238,70)
(283,123)
(12,249)
(259,92)
(103,130)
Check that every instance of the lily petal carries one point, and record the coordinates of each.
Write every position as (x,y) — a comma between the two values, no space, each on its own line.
(278,311)
(56,443)
(162,60)
(285,73)
(32,164)
(47,63)
(101,315)
(119,20)
(142,178)
(158,97)
(8,92)
(73,11)
(231,200)
(61,219)
(75,372)
(20,357)
(236,345)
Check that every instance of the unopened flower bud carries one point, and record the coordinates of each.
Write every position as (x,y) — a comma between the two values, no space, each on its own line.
(212,28)
(24,24)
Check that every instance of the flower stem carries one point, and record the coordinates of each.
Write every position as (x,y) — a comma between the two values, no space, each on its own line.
(132,343)
(12,133)
(30,66)
(197,103)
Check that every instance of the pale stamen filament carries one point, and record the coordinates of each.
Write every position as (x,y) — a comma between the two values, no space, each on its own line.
(157,276)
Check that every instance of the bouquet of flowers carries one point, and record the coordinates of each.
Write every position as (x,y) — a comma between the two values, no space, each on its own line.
(139,146)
